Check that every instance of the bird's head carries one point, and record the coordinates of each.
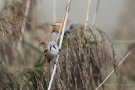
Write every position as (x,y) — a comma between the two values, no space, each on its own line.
(71,24)
(52,44)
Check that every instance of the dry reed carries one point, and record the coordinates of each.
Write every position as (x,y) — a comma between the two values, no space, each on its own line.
(81,62)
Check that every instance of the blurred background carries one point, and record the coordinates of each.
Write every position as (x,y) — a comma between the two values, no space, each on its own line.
(115,17)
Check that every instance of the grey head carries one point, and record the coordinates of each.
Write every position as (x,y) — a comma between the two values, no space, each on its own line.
(71,24)
(52,44)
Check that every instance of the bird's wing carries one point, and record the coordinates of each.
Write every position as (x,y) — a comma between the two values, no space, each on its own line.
(60,22)
(57,23)
(45,51)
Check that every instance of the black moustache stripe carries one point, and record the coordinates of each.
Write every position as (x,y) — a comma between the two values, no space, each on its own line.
(50,48)
(54,47)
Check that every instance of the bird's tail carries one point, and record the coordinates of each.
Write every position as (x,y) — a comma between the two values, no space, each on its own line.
(43,39)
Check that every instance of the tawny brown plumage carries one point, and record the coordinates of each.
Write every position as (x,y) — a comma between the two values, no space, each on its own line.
(56,27)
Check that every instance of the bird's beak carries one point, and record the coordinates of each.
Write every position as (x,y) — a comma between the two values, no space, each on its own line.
(54,47)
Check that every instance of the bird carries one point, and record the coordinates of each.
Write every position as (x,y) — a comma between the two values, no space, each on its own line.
(56,27)
(51,52)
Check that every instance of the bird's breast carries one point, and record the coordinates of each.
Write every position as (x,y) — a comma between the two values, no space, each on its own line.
(52,53)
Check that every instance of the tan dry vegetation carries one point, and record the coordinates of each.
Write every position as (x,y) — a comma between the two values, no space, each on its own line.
(82,61)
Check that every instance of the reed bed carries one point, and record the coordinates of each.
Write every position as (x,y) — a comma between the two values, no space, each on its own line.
(83,58)
(81,61)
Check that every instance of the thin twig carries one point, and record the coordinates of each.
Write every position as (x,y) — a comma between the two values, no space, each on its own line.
(87,15)
(111,72)
(60,44)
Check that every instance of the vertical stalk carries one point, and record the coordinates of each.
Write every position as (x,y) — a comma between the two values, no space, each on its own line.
(95,15)
(61,39)
(87,18)
(87,15)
